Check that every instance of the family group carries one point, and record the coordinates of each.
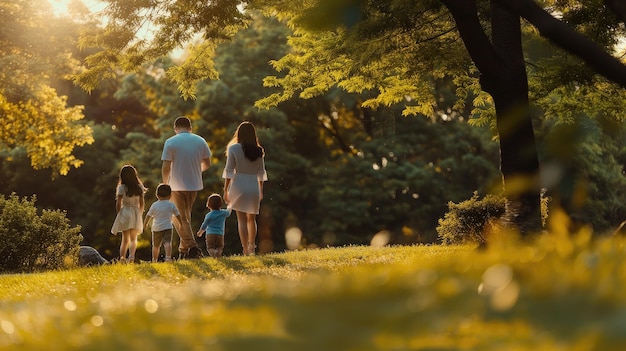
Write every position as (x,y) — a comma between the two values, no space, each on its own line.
(185,157)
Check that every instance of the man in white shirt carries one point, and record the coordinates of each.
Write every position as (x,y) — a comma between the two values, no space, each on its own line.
(185,156)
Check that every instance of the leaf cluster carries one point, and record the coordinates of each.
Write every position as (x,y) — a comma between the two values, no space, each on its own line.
(387,53)
(135,33)
(34,116)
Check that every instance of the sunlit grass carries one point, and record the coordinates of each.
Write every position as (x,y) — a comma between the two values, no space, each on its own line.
(559,292)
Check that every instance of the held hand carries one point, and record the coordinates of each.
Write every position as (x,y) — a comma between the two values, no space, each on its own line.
(200,232)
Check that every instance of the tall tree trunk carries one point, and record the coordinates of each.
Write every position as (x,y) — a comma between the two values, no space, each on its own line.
(503,75)
(518,152)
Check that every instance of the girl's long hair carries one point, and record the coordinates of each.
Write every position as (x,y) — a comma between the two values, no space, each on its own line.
(129,177)
(246,136)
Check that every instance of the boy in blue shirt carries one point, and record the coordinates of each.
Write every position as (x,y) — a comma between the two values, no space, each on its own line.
(213,224)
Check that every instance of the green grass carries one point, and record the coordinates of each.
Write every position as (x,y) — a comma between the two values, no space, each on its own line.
(556,293)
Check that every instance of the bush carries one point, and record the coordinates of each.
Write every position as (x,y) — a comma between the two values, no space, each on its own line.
(468,221)
(31,242)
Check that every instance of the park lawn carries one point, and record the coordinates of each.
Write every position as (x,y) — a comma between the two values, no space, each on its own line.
(559,292)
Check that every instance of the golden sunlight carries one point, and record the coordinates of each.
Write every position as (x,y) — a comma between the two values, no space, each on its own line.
(61,7)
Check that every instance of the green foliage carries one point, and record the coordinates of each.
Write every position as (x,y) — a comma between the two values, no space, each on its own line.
(34,116)
(165,26)
(388,64)
(190,72)
(32,242)
(560,291)
(397,180)
(46,128)
(470,220)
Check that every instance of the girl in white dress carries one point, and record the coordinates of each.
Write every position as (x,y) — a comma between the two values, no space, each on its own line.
(244,175)
(129,205)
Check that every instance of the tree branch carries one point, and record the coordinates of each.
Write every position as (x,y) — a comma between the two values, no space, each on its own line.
(477,43)
(562,35)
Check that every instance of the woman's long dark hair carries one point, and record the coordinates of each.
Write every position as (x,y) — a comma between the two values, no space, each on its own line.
(246,136)
(129,177)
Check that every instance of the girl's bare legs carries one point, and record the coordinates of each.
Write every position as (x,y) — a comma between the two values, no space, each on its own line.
(133,245)
(251,225)
(242,227)
(124,245)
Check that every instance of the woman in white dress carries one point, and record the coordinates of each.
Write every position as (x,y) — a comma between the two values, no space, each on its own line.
(129,205)
(244,175)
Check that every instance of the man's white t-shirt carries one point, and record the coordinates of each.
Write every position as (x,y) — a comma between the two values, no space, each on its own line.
(186,151)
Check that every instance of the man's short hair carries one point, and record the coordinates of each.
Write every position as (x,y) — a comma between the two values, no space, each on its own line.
(163,190)
(182,122)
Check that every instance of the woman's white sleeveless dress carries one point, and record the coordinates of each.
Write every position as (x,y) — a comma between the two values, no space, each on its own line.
(245,175)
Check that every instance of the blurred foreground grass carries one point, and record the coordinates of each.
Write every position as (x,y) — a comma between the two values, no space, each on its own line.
(560,292)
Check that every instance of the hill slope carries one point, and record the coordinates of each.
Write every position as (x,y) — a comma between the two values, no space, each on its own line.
(558,293)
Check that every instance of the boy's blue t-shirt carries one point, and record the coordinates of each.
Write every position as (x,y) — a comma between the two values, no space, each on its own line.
(214,221)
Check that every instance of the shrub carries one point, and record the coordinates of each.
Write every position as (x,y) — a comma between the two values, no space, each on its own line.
(468,220)
(31,242)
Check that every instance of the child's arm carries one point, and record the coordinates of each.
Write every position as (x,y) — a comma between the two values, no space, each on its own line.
(204,225)
(118,203)
(145,222)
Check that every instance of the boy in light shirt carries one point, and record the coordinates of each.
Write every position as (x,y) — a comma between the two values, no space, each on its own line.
(162,212)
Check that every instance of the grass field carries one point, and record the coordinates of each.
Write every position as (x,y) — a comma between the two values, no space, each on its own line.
(557,293)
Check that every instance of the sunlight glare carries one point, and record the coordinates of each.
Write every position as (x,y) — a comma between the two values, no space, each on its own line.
(151,306)
(70,305)
(7,327)
(60,7)
(293,238)
(499,286)
(96,321)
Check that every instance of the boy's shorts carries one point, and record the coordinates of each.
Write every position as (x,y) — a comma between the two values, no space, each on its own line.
(163,236)
(215,242)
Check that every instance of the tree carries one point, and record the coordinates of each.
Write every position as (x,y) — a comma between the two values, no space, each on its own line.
(498,57)
(34,116)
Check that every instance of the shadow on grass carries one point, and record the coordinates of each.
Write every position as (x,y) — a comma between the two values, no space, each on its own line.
(209,268)
(189,268)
